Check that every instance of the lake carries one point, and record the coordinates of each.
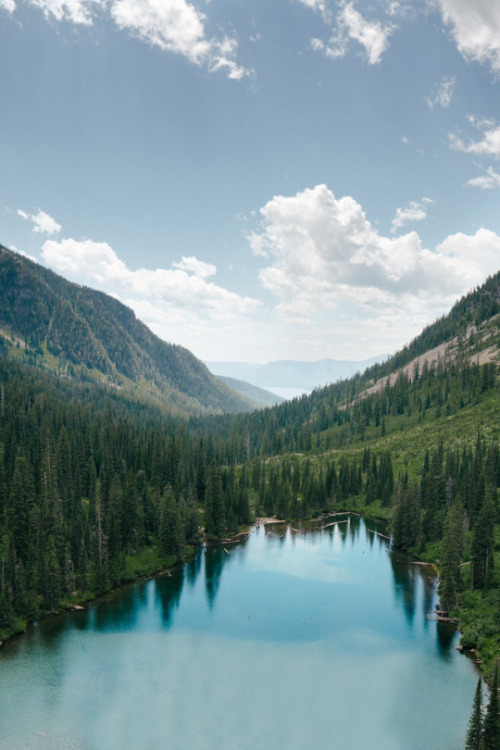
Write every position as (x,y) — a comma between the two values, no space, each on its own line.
(315,640)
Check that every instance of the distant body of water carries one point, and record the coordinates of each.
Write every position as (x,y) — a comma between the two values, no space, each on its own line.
(316,641)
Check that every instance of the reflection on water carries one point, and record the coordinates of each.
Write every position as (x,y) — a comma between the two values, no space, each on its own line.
(168,593)
(215,557)
(285,639)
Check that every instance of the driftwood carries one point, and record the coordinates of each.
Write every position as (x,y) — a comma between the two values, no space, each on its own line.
(372,531)
(441,615)
(419,562)
(334,523)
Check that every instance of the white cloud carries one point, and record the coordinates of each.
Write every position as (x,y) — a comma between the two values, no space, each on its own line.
(488,181)
(475,27)
(74,11)
(173,25)
(399,9)
(351,25)
(443,94)
(178,26)
(323,255)
(8,5)
(182,288)
(42,222)
(414,212)
(489,145)
(196,267)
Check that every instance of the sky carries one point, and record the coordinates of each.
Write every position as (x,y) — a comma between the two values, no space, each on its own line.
(257,179)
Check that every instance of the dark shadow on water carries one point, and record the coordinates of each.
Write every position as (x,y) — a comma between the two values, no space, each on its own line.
(353,527)
(343,531)
(404,583)
(215,560)
(168,591)
(446,634)
(193,568)
(120,611)
(429,585)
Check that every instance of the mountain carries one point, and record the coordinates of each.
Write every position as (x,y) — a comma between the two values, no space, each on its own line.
(469,332)
(97,487)
(292,374)
(87,335)
(442,386)
(257,395)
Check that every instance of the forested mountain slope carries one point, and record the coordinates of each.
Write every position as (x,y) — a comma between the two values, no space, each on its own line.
(87,335)
(96,485)
(443,372)
(470,328)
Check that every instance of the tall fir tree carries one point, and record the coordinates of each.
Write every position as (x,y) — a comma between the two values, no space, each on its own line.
(475,730)
(491,730)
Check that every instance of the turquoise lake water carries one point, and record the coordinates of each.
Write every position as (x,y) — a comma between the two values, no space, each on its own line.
(284,640)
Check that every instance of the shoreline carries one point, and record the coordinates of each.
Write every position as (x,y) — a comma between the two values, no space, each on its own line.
(79,605)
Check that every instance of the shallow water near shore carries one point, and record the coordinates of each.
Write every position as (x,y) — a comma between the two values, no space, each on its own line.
(282,640)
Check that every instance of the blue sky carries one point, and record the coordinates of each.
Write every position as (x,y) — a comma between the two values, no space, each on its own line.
(274,179)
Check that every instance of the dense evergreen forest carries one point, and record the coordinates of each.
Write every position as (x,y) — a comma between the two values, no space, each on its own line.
(99,485)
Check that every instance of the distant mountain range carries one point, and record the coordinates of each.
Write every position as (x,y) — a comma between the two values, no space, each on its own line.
(287,376)
(89,336)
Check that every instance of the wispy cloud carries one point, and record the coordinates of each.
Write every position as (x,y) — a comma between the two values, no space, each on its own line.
(486,182)
(41,221)
(443,93)
(74,11)
(488,145)
(349,25)
(172,25)
(318,5)
(415,211)
(178,26)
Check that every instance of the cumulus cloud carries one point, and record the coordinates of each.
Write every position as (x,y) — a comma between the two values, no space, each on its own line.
(8,5)
(443,94)
(182,287)
(178,26)
(486,182)
(323,254)
(414,212)
(475,27)
(489,145)
(42,222)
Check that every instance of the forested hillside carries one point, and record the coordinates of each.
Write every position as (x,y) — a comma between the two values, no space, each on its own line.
(89,336)
(97,486)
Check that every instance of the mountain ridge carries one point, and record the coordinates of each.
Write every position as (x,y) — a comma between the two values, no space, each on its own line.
(86,333)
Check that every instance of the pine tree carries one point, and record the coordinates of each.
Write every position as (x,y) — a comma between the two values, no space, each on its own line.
(452,550)
(215,511)
(491,730)
(18,512)
(475,731)
(169,535)
(483,545)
